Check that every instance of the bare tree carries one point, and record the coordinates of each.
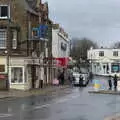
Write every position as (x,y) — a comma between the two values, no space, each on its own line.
(116,45)
(80,47)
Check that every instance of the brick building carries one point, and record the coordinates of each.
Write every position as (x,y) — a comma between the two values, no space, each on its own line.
(22,47)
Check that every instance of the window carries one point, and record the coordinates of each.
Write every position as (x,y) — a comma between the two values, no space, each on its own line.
(3,38)
(14,39)
(63,46)
(115,53)
(101,53)
(17,75)
(4,12)
(2,68)
(115,68)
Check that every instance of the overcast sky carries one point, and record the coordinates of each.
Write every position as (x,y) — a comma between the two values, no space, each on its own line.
(98,20)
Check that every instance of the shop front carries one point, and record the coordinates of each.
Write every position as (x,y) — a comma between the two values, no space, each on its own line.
(3,73)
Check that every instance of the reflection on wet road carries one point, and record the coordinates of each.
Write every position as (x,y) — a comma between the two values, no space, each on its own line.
(72,104)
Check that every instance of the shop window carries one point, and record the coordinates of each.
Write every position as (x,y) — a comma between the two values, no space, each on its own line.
(2,68)
(115,53)
(16,75)
(115,68)
(101,53)
(3,38)
(4,12)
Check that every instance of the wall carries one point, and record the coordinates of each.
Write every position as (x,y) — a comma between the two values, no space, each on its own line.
(58,38)
(108,53)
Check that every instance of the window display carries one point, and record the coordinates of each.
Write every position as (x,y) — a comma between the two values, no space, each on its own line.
(16,75)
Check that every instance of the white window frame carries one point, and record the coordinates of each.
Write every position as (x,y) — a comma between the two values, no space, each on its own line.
(115,53)
(4,30)
(23,77)
(7,17)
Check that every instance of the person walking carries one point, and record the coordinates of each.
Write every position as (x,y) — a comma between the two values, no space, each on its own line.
(115,82)
(61,78)
(80,80)
(110,83)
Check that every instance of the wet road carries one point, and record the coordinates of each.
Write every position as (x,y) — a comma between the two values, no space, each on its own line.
(71,104)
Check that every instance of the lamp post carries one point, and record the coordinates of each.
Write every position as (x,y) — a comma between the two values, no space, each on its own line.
(7,52)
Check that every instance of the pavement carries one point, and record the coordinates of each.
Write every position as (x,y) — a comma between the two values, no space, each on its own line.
(33,92)
(105,92)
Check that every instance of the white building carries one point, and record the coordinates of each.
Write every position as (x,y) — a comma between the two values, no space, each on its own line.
(60,49)
(104,61)
(60,43)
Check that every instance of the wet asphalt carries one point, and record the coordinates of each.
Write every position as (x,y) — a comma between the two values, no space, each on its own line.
(73,103)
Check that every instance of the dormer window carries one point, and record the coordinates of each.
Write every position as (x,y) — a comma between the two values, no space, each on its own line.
(4,12)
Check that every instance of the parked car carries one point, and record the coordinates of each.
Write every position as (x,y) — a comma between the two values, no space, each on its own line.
(77,79)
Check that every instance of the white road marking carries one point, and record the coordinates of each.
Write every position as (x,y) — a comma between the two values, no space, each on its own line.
(56,102)
(5,115)
(42,106)
(9,109)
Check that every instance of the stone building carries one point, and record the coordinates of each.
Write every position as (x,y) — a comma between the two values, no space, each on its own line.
(23,46)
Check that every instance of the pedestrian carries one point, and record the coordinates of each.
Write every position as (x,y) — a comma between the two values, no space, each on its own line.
(81,80)
(110,83)
(115,82)
(61,78)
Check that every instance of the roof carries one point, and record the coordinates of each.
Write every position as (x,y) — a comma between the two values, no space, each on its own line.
(29,8)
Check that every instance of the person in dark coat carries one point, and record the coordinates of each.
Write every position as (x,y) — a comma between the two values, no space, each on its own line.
(61,78)
(115,82)
(81,80)
(110,83)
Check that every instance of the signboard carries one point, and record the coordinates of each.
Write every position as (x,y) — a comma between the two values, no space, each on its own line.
(40,32)
(43,29)
(2,76)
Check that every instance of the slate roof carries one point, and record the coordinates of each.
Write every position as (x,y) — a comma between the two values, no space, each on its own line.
(28,6)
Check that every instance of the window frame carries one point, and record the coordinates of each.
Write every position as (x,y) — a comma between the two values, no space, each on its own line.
(6,17)
(23,73)
(114,53)
(100,54)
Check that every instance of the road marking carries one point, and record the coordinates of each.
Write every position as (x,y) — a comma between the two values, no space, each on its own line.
(5,115)
(56,102)
(42,106)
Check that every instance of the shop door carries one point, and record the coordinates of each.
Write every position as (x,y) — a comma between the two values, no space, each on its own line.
(33,69)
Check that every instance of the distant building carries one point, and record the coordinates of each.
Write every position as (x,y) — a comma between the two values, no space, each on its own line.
(104,61)
(60,47)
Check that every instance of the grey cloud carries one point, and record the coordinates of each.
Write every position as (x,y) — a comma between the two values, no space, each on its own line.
(95,19)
